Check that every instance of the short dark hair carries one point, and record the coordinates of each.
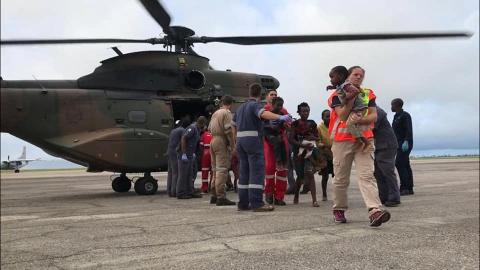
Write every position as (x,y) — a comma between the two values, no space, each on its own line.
(270,90)
(324,111)
(185,121)
(227,100)
(350,70)
(301,105)
(255,90)
(277,99)
(202,120)
(398,101)
(342,70)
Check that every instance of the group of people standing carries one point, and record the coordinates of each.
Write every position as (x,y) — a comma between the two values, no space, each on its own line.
(267,144)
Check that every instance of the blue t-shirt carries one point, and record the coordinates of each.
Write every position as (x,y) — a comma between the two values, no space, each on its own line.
(192,134)
(248,117)
(174,140)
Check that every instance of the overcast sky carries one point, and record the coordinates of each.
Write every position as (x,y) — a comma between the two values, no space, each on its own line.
(438,79)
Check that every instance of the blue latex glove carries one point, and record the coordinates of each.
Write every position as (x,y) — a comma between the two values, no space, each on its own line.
(184,157)
(405,146)
(285,118)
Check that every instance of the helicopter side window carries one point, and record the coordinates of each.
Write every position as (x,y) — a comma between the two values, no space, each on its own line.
(137,116)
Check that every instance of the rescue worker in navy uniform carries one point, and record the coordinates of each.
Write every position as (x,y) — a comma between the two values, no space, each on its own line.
(248,126)
(402,126)
(173,144)
(385,150)
(188,146)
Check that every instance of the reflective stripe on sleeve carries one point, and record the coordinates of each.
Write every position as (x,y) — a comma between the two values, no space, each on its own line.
(270,176)
(205,169)
(281,178)
(259,115)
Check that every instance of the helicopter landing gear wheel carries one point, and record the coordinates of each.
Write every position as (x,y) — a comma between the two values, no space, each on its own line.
(121,183)
(146,185)
(17,171)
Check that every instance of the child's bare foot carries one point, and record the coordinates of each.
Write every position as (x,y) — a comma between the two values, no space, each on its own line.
(295,199)
(366,144)
(315,204)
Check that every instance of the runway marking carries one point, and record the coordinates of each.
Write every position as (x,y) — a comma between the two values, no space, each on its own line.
(90,217)
(13,218)
(456,183)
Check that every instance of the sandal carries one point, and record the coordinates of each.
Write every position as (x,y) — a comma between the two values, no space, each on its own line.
(264,208)
(315,204)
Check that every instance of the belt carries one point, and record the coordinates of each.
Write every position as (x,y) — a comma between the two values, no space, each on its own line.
(248,133)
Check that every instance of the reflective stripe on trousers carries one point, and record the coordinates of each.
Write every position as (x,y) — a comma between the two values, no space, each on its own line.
(252,172)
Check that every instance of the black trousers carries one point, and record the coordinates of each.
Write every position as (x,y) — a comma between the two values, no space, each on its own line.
(385,174)
(402,162)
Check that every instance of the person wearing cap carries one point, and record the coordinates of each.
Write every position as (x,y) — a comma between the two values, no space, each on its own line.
(248,126)
(173,144)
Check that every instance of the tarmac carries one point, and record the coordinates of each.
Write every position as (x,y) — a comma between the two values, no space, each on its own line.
(72,219)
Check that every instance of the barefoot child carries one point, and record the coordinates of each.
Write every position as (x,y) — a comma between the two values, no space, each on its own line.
(303,138)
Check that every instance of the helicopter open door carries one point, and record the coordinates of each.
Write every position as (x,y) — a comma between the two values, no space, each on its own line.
(193,108)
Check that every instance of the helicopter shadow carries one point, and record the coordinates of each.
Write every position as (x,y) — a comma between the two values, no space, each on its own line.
(106,195)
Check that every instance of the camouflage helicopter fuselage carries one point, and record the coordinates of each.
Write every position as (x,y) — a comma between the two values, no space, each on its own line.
(118,118)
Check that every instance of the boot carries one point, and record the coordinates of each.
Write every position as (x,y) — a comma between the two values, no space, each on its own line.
(224,202)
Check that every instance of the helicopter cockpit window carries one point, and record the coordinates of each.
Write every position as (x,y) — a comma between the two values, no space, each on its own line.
(137,116)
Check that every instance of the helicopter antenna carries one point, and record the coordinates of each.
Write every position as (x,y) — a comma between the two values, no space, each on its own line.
(43,88)
(116,50)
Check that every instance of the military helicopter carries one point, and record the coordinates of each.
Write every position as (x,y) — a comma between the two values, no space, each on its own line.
(118,117)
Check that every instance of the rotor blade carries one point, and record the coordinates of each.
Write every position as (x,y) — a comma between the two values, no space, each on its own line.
(79,41)
(258,40)
(159,14)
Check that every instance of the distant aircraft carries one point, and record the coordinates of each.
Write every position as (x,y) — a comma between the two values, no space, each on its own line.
(17,163)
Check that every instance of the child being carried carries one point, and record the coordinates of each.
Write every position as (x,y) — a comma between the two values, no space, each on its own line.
(274,135)
(346,91)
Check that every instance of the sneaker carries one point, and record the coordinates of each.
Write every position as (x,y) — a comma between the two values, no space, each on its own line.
(213,200)
(224,202)
(339,216)
(269,198)
(279,202)
(379,217)
(391,203)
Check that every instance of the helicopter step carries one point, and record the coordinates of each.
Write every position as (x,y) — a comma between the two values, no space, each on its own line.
(121,183)
(146,185)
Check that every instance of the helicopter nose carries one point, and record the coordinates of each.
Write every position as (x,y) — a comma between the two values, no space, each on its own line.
(269,82)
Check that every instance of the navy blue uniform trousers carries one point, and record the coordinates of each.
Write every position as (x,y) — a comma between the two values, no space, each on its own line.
(252,172)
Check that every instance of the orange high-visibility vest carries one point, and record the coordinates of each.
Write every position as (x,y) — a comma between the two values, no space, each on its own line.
(340,132)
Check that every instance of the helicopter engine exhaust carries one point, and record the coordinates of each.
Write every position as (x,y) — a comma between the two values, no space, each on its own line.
(195,80)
